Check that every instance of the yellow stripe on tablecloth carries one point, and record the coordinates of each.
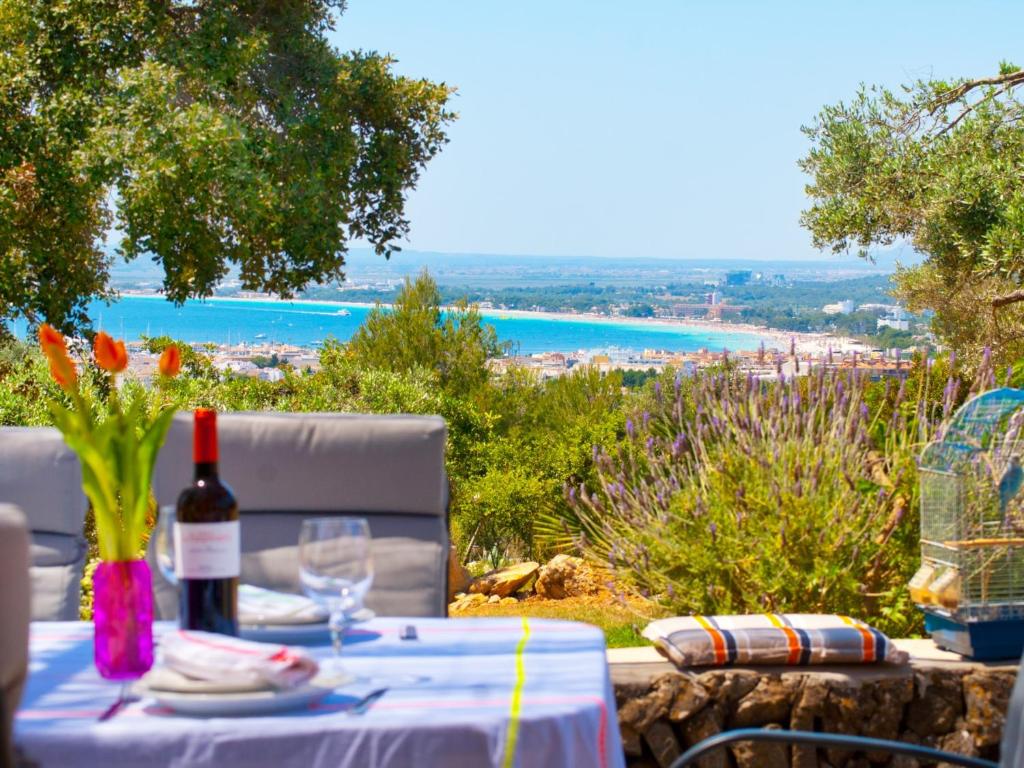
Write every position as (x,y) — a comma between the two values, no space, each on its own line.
(517,698)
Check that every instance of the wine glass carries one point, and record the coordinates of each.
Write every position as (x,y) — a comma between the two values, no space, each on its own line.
(164,544)
(336,569)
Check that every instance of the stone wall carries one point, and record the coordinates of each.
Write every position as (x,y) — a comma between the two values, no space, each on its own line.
(956,707)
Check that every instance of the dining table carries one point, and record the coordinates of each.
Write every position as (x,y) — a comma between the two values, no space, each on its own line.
(508,692)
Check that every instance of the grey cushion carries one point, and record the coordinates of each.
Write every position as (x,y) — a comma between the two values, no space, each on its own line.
(41,475)
(58,562)
(14,618)
(285,467)
(318,461)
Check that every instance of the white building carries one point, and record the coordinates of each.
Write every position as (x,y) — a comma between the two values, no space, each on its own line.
(844,307)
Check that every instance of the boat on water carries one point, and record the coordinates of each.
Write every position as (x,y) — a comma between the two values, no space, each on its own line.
(260,336)
(343,313)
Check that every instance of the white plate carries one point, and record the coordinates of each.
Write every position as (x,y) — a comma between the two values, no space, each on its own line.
(295,633)
(240,704)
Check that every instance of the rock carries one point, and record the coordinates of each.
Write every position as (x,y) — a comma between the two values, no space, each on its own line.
(938,702)
(509,601)
(769,702)
(465,602)
(690,700)
(631,744)
(987,695)
(808,708)
(959,741)
(504,581)
(495,598)
(663,743)
(728,687)
(707,723)
(567,576)
(641,712)
(458,576)
(749,754)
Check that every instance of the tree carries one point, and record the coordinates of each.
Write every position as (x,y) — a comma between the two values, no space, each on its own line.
(939,164)
(212,134)
(416,333)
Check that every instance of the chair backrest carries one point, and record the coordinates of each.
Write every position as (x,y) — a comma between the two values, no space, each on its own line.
(42,476)
(14,620)
(284,467)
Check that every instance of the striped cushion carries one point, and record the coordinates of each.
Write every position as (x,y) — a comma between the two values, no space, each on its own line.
(773,638)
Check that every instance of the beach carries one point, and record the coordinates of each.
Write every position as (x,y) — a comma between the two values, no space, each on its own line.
(804,343)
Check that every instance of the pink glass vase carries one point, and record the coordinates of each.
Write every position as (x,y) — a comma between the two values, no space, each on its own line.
(122,609)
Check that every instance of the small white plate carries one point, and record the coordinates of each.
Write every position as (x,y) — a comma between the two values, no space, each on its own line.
(241,704)
(296,633)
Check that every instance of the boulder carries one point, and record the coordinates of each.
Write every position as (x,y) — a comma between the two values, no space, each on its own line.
(567,576)
(504,581)
(459,578)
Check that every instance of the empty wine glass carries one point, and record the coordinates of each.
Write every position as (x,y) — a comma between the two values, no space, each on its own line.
(336,569)
(163,544)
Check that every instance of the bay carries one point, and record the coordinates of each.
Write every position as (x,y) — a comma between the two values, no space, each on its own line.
(306,323)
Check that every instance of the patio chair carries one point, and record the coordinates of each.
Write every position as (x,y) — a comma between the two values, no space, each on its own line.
(41,475)
(284,467)
(1011,748)
(14,610)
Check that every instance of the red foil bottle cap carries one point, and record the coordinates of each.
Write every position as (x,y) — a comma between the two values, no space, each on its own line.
(204,438)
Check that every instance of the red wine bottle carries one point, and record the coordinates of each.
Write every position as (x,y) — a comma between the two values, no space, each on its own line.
(206,540)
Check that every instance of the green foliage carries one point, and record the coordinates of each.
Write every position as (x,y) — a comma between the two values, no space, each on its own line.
(212,134)
(737,496)
(939,164)
(415,332)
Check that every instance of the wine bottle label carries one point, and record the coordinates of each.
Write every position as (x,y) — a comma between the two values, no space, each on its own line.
(207,550)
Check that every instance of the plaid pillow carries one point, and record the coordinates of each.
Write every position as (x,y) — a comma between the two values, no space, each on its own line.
(772,638)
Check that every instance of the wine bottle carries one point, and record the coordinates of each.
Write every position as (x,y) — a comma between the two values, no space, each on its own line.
(206,540)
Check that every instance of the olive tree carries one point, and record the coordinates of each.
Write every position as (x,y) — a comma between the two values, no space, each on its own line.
(211,135)
(940,165)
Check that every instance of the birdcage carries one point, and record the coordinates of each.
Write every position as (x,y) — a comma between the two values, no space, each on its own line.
(971,581)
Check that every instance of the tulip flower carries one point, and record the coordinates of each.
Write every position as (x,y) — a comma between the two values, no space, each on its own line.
(110,355)
(170,362)
(56,350)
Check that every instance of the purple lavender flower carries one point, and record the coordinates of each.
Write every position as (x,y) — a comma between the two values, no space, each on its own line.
(713,530)
(657,390)
(629,427)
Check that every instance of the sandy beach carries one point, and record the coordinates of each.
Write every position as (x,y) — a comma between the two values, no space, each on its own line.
(804,343)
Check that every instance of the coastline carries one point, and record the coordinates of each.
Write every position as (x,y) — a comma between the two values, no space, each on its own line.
(774,338)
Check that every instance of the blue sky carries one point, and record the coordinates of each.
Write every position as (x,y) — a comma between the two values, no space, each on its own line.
(651,127)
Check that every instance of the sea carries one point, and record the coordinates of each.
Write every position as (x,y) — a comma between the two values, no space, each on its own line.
(309,324)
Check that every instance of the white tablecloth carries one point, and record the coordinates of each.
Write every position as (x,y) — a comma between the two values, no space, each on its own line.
(451,698)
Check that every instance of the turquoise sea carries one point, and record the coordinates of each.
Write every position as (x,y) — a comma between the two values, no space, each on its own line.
(305,323)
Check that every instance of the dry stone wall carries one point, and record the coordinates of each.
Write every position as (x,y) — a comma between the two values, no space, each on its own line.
(955,707)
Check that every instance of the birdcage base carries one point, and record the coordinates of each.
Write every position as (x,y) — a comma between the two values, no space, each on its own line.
(981,640)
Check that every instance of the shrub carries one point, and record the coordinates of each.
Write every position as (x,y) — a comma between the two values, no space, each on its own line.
(732,495)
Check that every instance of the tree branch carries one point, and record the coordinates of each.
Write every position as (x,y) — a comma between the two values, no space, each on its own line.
(1008,298)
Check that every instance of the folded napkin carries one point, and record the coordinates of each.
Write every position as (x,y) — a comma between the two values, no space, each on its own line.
(229,661)
(265,606)
(165,679)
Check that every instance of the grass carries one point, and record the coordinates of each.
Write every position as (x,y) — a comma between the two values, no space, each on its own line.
(621,623)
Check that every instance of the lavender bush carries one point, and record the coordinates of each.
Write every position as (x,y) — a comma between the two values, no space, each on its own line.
(734,495)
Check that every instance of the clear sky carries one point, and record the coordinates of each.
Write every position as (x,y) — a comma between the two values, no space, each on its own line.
(651,127)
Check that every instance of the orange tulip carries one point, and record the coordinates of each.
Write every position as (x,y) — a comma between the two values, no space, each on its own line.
(170,362)
(56,350)
(110,355)
(50,339)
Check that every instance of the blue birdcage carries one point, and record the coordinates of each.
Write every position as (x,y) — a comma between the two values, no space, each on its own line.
(971,581)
